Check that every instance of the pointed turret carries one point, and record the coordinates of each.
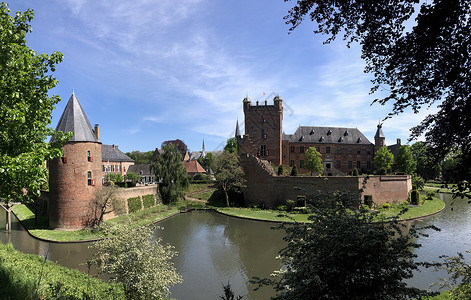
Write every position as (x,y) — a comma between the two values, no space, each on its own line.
(203,153)
(379,137)
(237,130)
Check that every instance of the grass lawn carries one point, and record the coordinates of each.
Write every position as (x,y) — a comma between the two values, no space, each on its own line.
(427,208)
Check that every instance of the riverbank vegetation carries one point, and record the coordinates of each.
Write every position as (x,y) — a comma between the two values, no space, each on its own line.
(29,276)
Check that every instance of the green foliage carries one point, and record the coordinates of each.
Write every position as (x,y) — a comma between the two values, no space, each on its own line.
(207,161)
(326,259)
(460,272)
(414,197)
(280,170)
(294,171)
(425,166)
(231,145)
(105,198)
(405,161)
(386,205)
(28,276)
(134,204)
(418,182)
(137,259)
(368,200)
(112,178)
(430,195)
(290,205)
(449,170)
(228,293)
(313,160)
(132,176)
(355,172)
(228,173)
(383,160)
(25,109)
(173,178)
(148,200)
(140,157)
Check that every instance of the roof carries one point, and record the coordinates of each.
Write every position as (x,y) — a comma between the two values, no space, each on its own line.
(379,131)
(237,130)
(192,166)
(75,120)
(285,136)
(112,153)
(141,169)
(328,135)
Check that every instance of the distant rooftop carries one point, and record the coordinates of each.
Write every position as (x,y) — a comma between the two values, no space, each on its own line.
(112,153)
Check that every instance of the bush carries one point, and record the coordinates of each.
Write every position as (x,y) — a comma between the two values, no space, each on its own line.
(415,197)
(294,171)
(282,208)
(430,195)
(134,204)
(355,172)
(148,200)
(386,205)
(280,170)
(290,205)
(368,200)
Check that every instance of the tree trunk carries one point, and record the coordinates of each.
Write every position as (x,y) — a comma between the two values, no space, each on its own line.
(227,198)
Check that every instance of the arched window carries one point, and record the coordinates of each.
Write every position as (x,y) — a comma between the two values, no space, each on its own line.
(89,178)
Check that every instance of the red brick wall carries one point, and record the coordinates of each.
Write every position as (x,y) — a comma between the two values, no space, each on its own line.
(70,194)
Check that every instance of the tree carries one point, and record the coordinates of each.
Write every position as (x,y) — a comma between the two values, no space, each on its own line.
(405,161)
(104,202)
(173,178)
(345,254)
(132,176)
(181,146)
(383,160)
(412,66)
(207,161)
(25,109)
(425,166)
(140,157)
(228,173)
(280,170)
(137,259)
(231,145)
(294,171)
(313,160)
(112,178)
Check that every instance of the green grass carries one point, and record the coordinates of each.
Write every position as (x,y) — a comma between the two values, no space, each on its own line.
(28,276)
(194,188)
(427,208)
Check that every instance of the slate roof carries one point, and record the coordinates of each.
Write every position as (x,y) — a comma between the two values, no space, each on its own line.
(379,131)
(112,153)
(328,135)
(75,120)
(144,168)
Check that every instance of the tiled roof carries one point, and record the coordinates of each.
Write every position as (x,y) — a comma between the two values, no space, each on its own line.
(193,166)
(75,120)
(112,153)
(328,135)
(141,169)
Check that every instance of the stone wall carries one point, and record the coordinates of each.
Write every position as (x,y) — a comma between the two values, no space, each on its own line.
(263,187)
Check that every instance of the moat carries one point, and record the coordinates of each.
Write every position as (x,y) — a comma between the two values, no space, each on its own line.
(216,249)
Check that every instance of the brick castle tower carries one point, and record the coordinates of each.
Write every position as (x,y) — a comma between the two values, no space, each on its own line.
(74,178)
(263,130)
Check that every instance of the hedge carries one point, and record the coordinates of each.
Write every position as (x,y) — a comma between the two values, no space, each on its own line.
(29,276)
(148,200)
(134,204)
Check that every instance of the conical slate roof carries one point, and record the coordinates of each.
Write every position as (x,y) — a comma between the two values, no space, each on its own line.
(237,131)
(379,131)
(75,120)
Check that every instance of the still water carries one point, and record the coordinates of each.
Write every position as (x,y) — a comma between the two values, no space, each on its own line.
(216,249)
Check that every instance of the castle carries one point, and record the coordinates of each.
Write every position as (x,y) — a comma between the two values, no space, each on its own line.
(342,149)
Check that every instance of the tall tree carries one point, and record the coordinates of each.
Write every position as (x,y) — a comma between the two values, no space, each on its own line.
(426,167)
(140,157)
(412,66)
(181,146)
(326,259)
(137,259)
(168,167)
(231,145)
(313,160)
(383,160)
(228,172)
(405,161)
(25,108)
(207,161)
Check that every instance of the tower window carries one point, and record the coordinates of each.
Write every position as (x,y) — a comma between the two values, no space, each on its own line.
(89,157)
(89,178)
(263,150)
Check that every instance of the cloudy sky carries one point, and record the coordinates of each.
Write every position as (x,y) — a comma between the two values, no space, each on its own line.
(149,71)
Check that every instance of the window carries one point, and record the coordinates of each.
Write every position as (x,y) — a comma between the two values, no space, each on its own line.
(291,149)
(368,151)
(263,136)
(338,164)
(358,151)
(291,163)
(104,168)
(349,164)
(263,150)
(349,150)
(328,166)
(89,157)
(117,168)
(301,149)
(368,164)
(358,164)
(338,150)
(319,149)
(301,164)
(89,178)
(327,149)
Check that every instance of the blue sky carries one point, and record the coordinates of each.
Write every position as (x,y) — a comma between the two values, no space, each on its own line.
(149,71)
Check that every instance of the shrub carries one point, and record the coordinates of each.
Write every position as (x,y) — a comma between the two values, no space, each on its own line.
(280,170)
(368,200)
(430,195)
(415,197)
(148,200)
(294,171)
(282,208)
(355,172)
(134,204)
(290,205)
(386,205)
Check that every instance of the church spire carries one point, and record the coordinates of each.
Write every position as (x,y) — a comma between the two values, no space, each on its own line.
(237,131)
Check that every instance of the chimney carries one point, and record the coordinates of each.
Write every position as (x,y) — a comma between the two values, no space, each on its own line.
(97,131)
(398,141)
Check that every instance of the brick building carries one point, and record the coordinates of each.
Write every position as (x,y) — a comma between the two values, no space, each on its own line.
(343,149)
(114,160)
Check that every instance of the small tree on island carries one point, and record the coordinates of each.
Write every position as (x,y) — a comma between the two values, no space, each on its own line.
(383,160)
(228,173)
(405,161)
(173,177)
(313,160)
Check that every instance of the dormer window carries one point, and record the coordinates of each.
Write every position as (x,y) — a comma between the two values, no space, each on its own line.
(329,132)
(301,138)
(359,140)
(340,139)
(312,132)
(321,139)
(345,133)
